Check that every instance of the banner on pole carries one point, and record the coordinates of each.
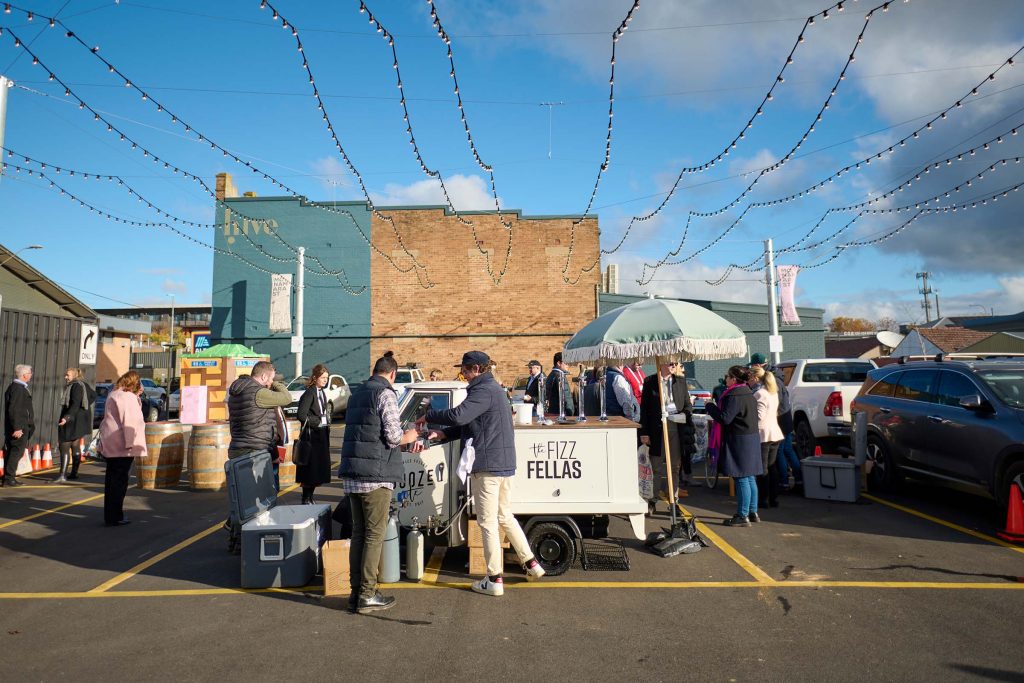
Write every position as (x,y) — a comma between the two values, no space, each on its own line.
(281,302)
(787,294)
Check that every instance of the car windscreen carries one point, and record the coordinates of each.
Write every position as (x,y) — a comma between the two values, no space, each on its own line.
(521,383)
(102,390)
(693,385)
(298,384)
(833,373)
(1008,385)
(403,377)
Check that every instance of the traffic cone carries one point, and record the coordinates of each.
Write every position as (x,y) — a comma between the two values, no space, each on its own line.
(817,452)
(37,459)
(1014,530)
(1,463)
(47,457)
(81,449)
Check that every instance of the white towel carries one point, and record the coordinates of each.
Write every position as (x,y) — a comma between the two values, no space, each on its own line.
(466,461)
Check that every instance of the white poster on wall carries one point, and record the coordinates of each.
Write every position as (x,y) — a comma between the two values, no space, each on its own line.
(281,302)
(87,350)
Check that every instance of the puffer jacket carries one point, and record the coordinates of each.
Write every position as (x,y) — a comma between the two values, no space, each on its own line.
(486,417)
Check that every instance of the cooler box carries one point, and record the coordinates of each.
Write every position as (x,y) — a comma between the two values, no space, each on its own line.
(280,543)
(829,478)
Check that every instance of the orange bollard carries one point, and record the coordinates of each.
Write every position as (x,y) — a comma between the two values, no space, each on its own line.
(1014,530)
(37,459)
(47,457)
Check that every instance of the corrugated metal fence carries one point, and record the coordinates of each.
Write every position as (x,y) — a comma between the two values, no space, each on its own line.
(50,344)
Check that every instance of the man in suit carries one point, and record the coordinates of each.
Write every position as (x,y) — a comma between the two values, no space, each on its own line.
(560,368)
(19,421)
(681,434)
(533,384)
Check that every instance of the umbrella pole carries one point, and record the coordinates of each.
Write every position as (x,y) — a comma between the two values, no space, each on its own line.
(666,448)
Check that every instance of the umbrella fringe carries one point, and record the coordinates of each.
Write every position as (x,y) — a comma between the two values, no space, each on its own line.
(685,348)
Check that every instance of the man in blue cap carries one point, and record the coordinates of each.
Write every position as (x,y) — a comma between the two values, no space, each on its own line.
(484,422)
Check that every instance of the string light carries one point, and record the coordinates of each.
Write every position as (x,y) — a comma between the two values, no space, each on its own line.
(850,167)
(122,136)
(700,168)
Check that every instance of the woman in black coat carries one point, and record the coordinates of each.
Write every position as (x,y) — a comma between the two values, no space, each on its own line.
(681,436)
(741,443)
(75,423)
(313,452)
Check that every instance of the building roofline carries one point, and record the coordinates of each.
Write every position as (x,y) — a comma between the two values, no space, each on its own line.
(44,285)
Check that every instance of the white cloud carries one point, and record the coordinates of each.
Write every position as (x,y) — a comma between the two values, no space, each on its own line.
(331,173)
(687,281)
(467,192)
(170,286)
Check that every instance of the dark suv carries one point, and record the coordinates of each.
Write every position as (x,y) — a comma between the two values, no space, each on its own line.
(958,422)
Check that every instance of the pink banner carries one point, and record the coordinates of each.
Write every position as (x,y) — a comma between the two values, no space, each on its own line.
(787,294)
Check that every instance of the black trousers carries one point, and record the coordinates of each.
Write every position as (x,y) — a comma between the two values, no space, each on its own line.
(13,450)
(768,483)
(69,458)
(115,486)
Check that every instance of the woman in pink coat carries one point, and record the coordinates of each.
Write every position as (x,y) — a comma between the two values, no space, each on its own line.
(122,437)
(767,394)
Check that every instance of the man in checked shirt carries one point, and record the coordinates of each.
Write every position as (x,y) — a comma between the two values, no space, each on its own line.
(371,467)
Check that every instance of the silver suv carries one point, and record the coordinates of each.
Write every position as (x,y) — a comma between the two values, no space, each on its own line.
(957,422)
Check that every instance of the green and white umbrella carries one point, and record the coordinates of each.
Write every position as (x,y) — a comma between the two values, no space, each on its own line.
(657,327)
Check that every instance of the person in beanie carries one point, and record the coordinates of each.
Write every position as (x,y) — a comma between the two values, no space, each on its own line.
(484,417)
(371,467)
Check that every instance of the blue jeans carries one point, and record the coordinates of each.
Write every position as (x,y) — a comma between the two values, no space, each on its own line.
(746,495)
(788,458)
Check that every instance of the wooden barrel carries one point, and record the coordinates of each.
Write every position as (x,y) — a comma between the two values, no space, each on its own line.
(207,453)
(286,474)
(165,455)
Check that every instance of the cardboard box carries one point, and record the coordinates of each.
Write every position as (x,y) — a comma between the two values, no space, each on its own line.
(475,540)
(477,564)
(336,568)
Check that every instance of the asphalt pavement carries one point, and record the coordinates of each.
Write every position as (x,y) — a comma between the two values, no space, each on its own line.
(909,586)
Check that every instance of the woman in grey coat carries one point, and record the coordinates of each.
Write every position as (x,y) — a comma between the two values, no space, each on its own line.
(736,411)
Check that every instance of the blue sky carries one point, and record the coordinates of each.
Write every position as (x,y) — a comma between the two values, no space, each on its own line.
(688,76)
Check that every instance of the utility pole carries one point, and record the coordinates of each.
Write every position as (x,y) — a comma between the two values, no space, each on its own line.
(938,311)
(925,291)
(773,307)
(300,285)
(170,375)
(4,85)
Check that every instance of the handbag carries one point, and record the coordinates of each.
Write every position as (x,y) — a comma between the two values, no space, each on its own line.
(300,452)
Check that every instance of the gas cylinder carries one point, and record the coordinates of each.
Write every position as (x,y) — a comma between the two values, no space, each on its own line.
(414,552)
(390,564)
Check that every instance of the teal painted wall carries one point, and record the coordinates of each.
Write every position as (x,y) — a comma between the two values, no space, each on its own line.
(337,308)
(804,341)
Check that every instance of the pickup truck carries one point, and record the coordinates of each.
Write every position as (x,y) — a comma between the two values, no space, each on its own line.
(405,376)
(337,392)
(820,391)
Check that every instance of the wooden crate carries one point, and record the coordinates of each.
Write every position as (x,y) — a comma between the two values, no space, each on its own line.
(475,540)
(477,564)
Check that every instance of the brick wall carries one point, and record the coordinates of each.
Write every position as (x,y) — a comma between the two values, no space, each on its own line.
(529,314)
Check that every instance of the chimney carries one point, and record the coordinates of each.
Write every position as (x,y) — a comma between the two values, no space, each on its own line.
(611,279)
(225,187)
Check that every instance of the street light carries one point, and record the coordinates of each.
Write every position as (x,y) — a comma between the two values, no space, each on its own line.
(13,254)
(984,311)
(171,340)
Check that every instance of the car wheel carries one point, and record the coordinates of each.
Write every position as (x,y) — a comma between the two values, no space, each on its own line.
(553,546)
(1014,474)
(803,439)
(884,474)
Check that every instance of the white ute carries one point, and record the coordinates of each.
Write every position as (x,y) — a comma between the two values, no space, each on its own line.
(820,391)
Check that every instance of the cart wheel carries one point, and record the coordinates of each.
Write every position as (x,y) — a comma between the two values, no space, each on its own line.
(553,546)
(711,470)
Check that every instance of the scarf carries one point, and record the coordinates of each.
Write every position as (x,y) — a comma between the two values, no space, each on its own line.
(66,396)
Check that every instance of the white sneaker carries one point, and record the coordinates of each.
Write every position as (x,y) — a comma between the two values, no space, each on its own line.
(535,572)
(488,587)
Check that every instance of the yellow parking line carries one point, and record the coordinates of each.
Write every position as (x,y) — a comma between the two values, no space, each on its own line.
(949,525)
(733,554)
(464,585)
(143,566)
(50,511)
(434,565)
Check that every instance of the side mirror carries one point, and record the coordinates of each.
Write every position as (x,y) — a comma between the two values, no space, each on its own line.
(974,402)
